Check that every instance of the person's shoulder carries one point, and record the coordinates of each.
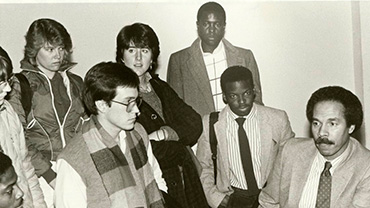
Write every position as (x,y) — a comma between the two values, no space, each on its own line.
(74,76)
(75,147)
(186,50)
(270,110)
(360,151)
(228,45)
(298,144)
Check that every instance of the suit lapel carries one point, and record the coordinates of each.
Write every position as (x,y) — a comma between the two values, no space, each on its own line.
(220,130)
(232,54)
(200,77)
(266,140)
(300,171)
(342,175)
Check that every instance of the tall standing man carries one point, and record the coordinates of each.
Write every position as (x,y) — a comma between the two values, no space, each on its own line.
(248,137)
(332,170)
(194,73)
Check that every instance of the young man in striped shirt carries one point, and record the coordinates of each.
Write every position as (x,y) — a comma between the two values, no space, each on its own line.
(248,136)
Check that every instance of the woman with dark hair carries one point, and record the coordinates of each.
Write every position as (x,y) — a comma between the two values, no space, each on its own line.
(56,108)
(169,121)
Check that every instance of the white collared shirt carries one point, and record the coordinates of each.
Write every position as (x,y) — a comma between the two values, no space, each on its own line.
(309,193)
(216,64)
(70,190)
(251,127)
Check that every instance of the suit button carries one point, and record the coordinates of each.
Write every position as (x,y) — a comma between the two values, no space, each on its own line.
(173,183)
(153,116)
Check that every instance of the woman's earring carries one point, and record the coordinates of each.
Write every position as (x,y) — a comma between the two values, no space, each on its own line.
(122,60)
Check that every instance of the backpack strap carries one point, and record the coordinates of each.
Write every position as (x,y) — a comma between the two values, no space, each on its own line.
(26,93)
(213,118)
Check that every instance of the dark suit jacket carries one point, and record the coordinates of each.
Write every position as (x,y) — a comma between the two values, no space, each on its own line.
(350,180)
(171,154)
(187,74)
(275,130)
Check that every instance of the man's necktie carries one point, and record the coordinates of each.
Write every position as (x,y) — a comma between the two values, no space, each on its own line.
(323,194)
(246,158)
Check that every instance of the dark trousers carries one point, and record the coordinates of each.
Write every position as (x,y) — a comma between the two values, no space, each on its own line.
(242,199)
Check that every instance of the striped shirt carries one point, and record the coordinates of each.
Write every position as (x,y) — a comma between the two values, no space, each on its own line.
(251,127)
(216,64)
(309,194)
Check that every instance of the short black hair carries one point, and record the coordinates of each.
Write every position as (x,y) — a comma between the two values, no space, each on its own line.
(211,7)
(5,164)
(6,66)
(236,74)
(141,35)
(353,112)
(102,80)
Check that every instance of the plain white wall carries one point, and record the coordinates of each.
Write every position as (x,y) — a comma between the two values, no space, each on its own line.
(299,46)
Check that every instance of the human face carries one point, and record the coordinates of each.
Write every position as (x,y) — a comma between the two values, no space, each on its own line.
(10,194)
(50,57)
(239,96)
(138,59)
(329,129)
(116,116)
(4,89)
(211,29)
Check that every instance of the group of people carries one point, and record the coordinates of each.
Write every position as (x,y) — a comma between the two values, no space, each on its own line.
(123,137)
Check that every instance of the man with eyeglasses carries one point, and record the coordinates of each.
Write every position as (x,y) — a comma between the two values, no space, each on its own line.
(110,162)
(194,72)
(248,137)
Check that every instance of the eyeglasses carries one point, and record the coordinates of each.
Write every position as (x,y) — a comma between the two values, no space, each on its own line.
(131,104)
(10,81)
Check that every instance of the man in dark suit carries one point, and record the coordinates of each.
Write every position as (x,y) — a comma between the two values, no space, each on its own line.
(194,72)
(330,170)
(266,130)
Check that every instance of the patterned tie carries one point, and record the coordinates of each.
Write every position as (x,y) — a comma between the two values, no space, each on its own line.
(323,194)
(246,158)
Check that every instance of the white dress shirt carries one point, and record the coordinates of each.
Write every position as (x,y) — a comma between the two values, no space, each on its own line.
(251,127)
(216,64)
(309,194)
(70,190)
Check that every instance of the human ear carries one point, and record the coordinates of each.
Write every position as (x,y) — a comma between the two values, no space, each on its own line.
(351,129)
(224,98)
(101,105)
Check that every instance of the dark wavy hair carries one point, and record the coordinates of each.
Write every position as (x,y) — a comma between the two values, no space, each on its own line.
(352,106)
(102,80)
(6,66)
(5,164)
(141,35)
(211,7)
(44,31)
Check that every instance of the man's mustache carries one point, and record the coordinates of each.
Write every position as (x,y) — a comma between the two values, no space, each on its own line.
(322,140)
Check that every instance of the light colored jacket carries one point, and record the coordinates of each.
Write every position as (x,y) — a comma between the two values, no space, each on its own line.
(350,180)
(275,130)
(187,74)
(13,144)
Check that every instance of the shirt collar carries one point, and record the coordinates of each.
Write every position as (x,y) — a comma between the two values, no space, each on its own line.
(217,50)
(145,87)
(338,160)
(250,116)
